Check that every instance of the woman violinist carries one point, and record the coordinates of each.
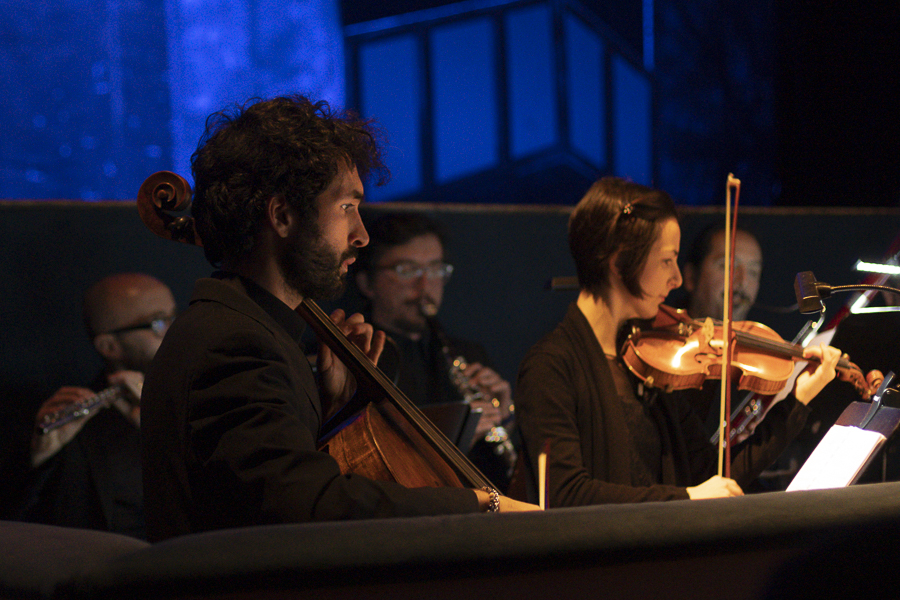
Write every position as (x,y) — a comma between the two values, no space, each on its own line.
(609,439)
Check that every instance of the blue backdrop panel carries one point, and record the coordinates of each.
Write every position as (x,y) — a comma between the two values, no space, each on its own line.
(585,95)
(532,88)
(391,82)
(632,105)
(85,107)
(465,98)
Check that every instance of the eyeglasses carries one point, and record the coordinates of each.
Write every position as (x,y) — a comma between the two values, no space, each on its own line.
(159,326)
(411,270)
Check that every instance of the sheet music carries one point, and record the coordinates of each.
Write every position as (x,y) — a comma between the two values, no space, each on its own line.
(838,460)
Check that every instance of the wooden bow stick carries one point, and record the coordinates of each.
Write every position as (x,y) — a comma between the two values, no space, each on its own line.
(728,303)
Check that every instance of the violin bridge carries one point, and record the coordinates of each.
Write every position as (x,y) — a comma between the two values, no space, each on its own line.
(707,332)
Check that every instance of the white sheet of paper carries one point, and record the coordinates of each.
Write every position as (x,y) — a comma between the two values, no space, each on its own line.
(838,458)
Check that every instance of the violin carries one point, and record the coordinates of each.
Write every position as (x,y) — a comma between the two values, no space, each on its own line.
(679,352)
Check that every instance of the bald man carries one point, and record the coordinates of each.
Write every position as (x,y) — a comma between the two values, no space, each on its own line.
(87,473)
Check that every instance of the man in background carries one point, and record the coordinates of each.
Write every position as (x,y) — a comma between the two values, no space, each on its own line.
(402,274)
(86,472)
(704,281)
(704,274)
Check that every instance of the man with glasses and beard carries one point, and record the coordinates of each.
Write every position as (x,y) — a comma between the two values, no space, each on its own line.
(232,411)
(402,273)
(704,284)
(86,472)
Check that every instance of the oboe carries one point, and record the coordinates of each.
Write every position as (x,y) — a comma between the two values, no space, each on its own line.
(79,410)
(497,438)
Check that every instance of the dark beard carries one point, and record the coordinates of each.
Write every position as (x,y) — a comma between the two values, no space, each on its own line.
(311,269)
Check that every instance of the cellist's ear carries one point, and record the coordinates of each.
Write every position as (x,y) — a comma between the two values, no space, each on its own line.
(281,216)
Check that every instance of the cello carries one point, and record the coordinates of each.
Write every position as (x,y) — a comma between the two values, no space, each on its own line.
(387,438)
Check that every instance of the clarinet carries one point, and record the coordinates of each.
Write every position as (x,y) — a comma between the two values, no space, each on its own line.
(497,438)
(79,410)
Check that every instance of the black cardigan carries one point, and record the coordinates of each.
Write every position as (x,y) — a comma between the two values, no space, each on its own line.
(566,394)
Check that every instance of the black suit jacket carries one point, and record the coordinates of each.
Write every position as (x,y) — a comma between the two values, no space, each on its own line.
(230,420)
(93,482)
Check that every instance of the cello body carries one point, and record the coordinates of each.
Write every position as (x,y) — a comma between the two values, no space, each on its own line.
(377,444)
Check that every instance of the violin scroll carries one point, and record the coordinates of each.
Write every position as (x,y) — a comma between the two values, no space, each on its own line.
(165,192)
(852,374)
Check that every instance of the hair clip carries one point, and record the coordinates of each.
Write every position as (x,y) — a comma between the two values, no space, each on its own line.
(628,208)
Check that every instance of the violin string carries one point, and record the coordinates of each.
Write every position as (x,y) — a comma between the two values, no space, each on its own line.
(775,347)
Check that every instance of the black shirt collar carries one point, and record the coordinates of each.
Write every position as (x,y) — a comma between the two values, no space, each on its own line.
(286,317)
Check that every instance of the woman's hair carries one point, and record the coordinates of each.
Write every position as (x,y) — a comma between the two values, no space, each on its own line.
(616,215)
(287,146)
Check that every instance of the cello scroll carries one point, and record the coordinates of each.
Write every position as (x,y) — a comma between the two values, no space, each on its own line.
(165,192)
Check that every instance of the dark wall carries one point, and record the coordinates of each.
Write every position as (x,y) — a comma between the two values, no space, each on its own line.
(838,131)
(504,257)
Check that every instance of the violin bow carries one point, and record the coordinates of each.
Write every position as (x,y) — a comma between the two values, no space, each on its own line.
(728,304)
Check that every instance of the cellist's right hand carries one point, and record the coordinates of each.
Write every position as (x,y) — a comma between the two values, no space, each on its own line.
(715,487)
(506,504)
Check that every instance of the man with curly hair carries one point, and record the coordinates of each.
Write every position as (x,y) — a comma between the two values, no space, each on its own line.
(231,411)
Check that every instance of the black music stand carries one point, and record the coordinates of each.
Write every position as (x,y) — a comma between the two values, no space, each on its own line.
(456,420)
(845,452)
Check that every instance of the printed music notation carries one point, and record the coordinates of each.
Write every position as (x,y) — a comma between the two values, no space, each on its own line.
(839,459)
